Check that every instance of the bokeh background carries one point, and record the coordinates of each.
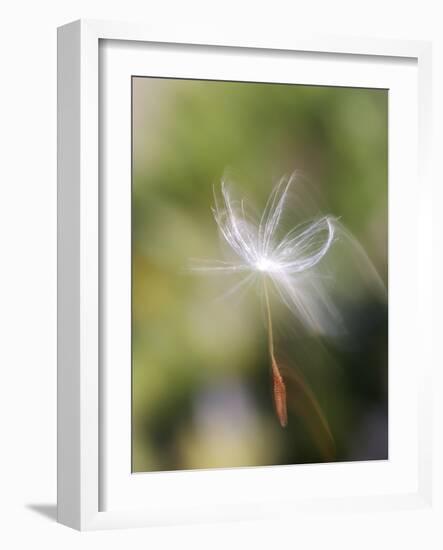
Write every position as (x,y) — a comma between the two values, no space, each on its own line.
(201,394)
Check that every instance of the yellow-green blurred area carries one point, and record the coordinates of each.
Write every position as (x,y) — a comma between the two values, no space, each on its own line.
(201,381)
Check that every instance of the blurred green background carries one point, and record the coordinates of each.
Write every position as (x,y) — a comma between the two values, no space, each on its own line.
(201,394)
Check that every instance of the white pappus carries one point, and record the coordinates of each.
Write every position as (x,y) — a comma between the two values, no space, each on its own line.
(261,251)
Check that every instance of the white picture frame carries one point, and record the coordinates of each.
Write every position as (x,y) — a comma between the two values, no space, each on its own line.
(95,492)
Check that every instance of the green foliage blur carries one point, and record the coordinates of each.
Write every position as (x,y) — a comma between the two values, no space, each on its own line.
(201,394)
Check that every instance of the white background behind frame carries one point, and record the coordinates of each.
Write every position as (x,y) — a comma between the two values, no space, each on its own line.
(88,426)
(231,493)
(29,486)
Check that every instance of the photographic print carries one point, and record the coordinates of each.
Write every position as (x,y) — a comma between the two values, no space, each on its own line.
(259,274)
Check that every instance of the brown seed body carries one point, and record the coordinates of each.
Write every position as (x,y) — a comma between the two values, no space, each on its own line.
(279,389)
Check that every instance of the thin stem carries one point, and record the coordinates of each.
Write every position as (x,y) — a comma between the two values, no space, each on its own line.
(270,330)
(279,387)
(295,380)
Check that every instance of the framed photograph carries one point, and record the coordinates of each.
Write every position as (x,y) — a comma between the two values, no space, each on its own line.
(243,276)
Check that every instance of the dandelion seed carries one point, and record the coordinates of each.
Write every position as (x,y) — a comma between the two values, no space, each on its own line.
(284,261)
